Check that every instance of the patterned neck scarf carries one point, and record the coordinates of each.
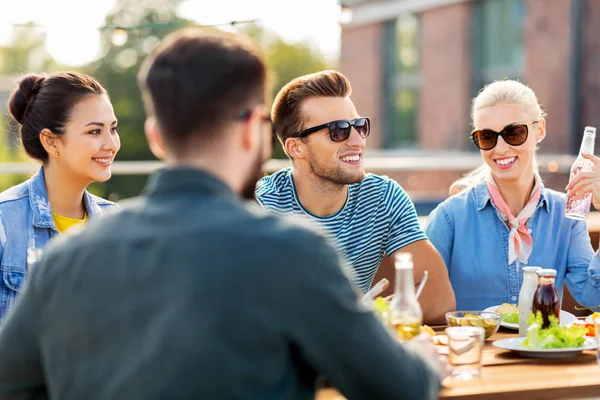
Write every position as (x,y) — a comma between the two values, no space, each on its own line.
(520,242)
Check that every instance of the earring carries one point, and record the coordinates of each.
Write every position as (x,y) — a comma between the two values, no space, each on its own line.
(56,153)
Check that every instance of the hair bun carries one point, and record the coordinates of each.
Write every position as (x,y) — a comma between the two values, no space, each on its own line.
(23,96)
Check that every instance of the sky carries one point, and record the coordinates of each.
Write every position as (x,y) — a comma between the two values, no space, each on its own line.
(72,26)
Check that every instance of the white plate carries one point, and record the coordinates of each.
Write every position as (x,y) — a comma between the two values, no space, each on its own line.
(566,319)
(589,319)
(514,344)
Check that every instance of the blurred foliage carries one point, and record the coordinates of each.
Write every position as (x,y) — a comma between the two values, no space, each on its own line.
(147,22)
(132,29)
(9,152)
(286,62)
(26,52)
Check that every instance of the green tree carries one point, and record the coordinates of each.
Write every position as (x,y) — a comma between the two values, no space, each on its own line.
(286,62)
(131,31)
(26,52)
(9,152)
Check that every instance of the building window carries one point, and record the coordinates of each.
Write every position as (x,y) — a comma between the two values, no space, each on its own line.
(401,88)
(497,38)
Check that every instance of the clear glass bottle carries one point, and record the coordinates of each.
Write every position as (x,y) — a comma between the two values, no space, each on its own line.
(545,299)
(406,315)
(579,209)
(528,288)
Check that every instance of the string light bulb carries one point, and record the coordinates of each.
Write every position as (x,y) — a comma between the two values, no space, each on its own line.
(119,37)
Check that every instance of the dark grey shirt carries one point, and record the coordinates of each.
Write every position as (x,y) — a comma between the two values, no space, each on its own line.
(187,292)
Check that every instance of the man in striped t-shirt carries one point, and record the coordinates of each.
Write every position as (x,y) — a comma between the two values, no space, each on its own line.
(367,216)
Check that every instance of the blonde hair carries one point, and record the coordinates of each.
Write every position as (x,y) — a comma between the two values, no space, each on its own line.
(505,91)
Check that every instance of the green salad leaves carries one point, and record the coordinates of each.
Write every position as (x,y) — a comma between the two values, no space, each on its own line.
(553,337)
(511,318)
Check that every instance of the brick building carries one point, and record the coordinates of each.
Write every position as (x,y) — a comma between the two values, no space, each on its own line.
(416,64)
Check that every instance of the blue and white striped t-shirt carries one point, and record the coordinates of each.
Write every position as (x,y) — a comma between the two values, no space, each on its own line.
(377,219)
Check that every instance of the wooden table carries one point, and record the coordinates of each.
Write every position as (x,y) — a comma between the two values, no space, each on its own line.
(506,375)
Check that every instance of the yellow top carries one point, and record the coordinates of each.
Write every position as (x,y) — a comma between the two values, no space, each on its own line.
(64,223)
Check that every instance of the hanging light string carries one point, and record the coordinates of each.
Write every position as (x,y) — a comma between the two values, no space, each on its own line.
(159,25)
(120,33)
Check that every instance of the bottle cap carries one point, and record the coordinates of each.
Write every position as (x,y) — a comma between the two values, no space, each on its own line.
(403,260)
(531,269)
(546,272)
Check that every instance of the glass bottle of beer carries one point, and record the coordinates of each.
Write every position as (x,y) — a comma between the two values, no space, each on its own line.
(545,299)
(406,314)
(579,209)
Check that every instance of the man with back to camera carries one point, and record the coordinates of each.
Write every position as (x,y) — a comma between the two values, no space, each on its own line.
(191,292)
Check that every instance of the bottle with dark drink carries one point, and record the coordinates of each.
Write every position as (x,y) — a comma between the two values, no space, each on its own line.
(545,299)
(406,315)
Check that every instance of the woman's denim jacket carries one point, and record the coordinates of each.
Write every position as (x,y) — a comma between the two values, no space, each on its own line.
(26,222)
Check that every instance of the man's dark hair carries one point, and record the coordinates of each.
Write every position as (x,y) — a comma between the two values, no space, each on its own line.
(199,80)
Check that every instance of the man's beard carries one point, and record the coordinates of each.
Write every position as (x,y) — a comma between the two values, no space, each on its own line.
(336,176)
(256,172)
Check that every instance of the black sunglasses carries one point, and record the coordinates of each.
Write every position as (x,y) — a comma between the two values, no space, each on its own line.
(340,130)
(513,134)
(244,115)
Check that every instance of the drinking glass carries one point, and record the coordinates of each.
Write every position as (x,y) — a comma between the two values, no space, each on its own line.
(465,345)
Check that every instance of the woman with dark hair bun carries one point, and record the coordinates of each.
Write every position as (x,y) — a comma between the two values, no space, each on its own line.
(69,126)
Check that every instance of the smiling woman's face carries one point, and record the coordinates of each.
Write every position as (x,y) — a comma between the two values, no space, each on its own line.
(90,142)
(509,162)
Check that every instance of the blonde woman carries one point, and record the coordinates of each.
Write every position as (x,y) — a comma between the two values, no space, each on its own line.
(501,217)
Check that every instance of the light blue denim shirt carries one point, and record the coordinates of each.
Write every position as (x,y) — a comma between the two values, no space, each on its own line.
(26,222)
(472,239)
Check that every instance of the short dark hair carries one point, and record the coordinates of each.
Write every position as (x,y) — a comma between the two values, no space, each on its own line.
(286,113)
(198,80)
(45,102)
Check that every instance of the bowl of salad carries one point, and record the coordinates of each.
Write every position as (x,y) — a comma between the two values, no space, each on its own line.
(489,321)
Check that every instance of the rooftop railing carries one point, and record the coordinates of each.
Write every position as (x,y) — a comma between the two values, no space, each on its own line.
(373,163)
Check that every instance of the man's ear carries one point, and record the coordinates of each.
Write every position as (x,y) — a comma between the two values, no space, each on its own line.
(295,148)
(154,138)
